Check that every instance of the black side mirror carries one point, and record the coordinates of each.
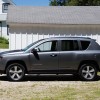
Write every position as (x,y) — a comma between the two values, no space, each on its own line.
(34,51)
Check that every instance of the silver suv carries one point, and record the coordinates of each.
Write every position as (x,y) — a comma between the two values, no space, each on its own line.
(59,55)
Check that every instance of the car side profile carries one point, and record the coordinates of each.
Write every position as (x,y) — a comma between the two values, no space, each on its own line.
(57,55)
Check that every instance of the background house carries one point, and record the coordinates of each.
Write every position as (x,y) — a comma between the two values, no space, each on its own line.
(28,24)
(3,17)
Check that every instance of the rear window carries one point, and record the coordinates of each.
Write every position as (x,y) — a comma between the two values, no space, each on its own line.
(85,44)
(69,45)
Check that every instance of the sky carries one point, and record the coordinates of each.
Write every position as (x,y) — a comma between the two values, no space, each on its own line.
(32,2)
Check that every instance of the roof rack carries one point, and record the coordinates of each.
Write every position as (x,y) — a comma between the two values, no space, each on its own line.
(70,37)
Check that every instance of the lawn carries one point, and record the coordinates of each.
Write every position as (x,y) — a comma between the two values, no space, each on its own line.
(50,90)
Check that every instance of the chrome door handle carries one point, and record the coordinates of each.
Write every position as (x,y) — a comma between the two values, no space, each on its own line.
(53,55)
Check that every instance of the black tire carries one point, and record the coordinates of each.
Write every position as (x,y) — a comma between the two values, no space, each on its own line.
(88,72)
(15,72)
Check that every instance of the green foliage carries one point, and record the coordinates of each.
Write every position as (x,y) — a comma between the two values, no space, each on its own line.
(4,43)
(89,2)
(4,40)
(96,2)
(4,46)
(75,3)
(72,3)
(58,2)
(53,3)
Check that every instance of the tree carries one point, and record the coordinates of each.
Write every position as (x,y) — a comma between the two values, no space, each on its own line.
(75,2)
(72,3)
(88,2)
(58,2)
(96,2)
(53,3)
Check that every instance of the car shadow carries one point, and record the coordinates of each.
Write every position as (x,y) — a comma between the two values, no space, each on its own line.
(47,78)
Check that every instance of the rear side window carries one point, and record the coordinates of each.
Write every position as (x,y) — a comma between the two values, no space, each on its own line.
(84,44)
(69,45)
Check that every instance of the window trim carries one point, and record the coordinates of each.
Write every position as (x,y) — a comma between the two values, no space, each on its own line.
(77,44)
(3,6)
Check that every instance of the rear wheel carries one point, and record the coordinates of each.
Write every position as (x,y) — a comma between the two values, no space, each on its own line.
(15,72)
(88,72)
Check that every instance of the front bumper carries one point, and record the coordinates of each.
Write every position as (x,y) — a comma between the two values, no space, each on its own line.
(2,67)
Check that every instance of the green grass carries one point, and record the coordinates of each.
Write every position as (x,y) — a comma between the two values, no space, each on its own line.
(4,46)
(67,94)
(98,73)
(69,90)
(4,43)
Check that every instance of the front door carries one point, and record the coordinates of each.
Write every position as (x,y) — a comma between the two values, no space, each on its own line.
(47,59)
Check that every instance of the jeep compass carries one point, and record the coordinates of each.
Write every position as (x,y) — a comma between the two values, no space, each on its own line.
(57,55)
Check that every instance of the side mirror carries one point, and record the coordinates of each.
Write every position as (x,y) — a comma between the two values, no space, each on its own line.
(34,51)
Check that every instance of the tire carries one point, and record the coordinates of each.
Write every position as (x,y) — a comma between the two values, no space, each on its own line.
(88,72)
(15,72)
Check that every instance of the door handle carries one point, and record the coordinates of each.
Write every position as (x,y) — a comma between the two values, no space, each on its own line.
(53,55)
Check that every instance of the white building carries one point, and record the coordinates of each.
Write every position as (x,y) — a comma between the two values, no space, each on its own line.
(28,24)
(3,17)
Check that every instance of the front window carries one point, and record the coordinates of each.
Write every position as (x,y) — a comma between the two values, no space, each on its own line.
(5,7)
(30,45)
(47,46)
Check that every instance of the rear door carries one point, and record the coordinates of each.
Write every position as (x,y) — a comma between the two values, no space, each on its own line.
(68,55)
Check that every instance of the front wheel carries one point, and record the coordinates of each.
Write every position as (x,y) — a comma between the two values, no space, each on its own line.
(15,72)
(88,72)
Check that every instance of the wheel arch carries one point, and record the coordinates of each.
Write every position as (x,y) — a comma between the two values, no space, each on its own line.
(16,61)
(89,62)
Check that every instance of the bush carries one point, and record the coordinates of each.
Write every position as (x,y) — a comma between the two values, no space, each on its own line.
(4,40)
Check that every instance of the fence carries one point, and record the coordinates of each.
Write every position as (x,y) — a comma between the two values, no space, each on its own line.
(2,50)
(19,41)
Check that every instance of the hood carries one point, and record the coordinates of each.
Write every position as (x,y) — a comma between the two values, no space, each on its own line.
(11,52)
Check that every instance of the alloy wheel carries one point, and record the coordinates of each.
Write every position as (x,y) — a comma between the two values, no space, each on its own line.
(15,72)
(88,72)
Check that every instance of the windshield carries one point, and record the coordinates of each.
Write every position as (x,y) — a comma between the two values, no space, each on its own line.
(30,45)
